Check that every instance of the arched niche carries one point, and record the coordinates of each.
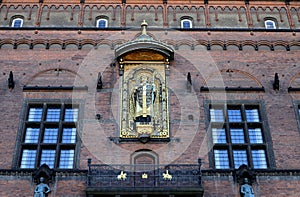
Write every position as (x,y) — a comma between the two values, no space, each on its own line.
(144,66)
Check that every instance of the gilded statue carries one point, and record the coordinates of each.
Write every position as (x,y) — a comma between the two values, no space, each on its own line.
(143,98)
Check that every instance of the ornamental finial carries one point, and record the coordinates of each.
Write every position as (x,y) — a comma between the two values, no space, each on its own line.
(144,27)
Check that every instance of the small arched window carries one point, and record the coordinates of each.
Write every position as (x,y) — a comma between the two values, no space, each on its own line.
(270,24)
(186,23)
(17,22)
(102,23)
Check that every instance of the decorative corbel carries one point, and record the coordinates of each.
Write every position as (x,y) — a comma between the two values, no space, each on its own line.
(45,172)
(244,172)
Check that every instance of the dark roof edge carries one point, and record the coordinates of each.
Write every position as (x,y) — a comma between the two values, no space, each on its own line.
(149,28)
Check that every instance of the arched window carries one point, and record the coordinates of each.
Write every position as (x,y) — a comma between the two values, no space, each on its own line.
(17,22)
(270,24)
(102,23)
(186,24)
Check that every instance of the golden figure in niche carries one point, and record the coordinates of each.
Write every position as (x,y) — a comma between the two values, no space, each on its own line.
(144,67)
(143,98)
(144,102)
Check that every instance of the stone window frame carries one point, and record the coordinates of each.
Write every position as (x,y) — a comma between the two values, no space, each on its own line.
(101,18)
(270,20)
(266,145)
(186,19)
(61,124)
(16,18)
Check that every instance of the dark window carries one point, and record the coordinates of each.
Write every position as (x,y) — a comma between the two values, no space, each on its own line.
(49,136)
(238,136)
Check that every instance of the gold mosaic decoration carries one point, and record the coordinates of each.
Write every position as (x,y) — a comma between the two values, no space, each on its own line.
(144,101)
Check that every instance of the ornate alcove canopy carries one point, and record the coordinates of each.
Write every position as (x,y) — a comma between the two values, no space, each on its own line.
(143,48)
(143,65)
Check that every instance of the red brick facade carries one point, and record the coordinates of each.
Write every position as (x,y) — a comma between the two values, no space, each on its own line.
(59,46)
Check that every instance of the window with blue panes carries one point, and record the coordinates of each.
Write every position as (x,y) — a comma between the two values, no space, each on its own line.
(53,114)
(238,136)
(17,22)
(49,136)
(221,159)
(270,24)
(71,115)
(102,23)
(186,24)
(35,114)
(66,159)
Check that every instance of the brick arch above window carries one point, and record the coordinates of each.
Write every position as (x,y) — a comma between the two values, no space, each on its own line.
(295,80)
(55,77)
(232,78)
(144,157)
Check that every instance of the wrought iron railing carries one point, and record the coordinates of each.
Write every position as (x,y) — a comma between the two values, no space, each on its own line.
(144,176)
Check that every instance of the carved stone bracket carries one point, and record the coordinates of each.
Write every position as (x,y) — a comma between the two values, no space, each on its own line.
(244,172)
(43,171)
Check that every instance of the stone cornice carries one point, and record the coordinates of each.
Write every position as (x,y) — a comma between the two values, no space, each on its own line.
(205,173)
(23,173)
(267,172)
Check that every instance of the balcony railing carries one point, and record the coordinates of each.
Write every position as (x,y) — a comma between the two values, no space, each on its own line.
(144,177)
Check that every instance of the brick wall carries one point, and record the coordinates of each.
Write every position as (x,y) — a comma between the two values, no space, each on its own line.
(55,66)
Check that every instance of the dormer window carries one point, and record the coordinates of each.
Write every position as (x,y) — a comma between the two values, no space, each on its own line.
(17,22)
(186,23)
(270,24)
(102,23)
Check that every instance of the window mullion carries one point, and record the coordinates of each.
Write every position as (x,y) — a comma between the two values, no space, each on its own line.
(59,136)
(244,118)
(228,136)
(249,155)
(44,114)
(38,155)
(41,134)
(246,133)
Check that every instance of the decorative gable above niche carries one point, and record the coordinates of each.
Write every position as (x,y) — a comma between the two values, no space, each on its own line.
(143,65)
